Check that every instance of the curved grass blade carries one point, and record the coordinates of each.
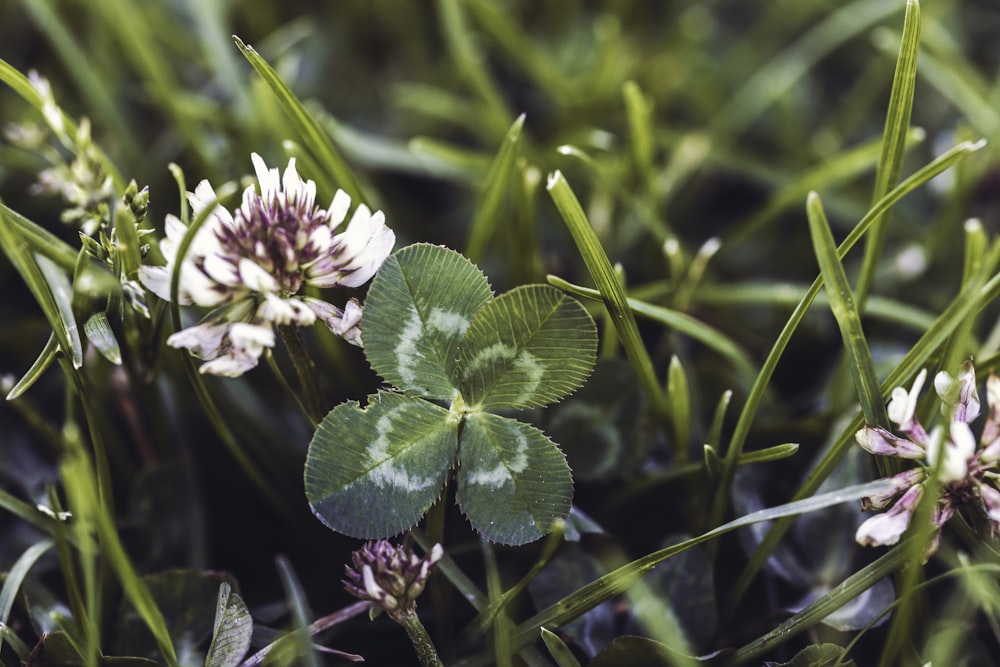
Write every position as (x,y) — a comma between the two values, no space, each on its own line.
(50,287)
(38,368)
(845,310)
(484,225)
(756,395)
(897,126)
(15,577)
(681,322)
(611,290)
(620,579)
(310,133)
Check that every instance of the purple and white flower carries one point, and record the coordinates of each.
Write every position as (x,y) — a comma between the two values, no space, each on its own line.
(252,264)
(963,469)
(390,576)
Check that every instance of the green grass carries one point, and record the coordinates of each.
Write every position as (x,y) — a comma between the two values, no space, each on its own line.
(775,212)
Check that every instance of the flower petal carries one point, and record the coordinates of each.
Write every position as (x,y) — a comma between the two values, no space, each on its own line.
(959,394)
(877,440)
(900,482)
(903,405)
(888,527)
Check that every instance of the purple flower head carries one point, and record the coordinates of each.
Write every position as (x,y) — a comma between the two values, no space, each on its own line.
(250,265)
(390,576)
(961,466)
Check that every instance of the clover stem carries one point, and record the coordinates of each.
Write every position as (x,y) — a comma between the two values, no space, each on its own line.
(304,368)
(421,641)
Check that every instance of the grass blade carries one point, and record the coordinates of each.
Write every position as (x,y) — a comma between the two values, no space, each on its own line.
(845,310)
(310,133)
(611,290)
(897,126)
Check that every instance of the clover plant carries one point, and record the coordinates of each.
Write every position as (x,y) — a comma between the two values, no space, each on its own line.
(455,355)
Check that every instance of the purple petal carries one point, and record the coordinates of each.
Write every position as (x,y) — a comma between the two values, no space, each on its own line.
(877,440)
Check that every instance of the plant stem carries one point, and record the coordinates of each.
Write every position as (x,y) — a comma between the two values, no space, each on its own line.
(312,397)
(420,639)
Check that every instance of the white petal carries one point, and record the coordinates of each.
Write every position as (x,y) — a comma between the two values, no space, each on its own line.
(903,404)
(156,279)
(275,309)
(251,337)
(255,277)
(338,208)
(202,340)
(233,364)
(269,180)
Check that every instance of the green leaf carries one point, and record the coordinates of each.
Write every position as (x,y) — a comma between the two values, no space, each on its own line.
(558,650)
(373,472)
(637,652)
(527,348)
(232,630)
(38,368)
(513,482)
(99,333)
(817,655)
(417,311)
(845,310)
(495,193)
(310,132)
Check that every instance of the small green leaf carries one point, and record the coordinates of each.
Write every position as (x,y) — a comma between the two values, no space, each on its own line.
(527,348)
(373,472)
(38,368)
(513,482)
(232,630)
(417,311)
(558,650)
(99,333)
(817,655)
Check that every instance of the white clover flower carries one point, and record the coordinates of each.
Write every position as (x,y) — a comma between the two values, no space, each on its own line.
(963,468)
(251,266)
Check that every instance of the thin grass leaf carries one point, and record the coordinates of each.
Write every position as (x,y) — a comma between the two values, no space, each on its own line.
(619,580)
(679,395)
(756,395)
(561,653)
(773,453)
(40,241)
(845,310)
(502,654)
(841,594)
(897,126)
(38,368)
(774,80)
(611,290)
(678,321)
(639,112)
(15,577)
(965,304)
(338,173)
(763,294)
(50,287)
(299,607)
(469,62)
(92,514)
(488,212)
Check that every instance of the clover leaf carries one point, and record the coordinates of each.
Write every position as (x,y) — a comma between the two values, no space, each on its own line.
(433,329)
